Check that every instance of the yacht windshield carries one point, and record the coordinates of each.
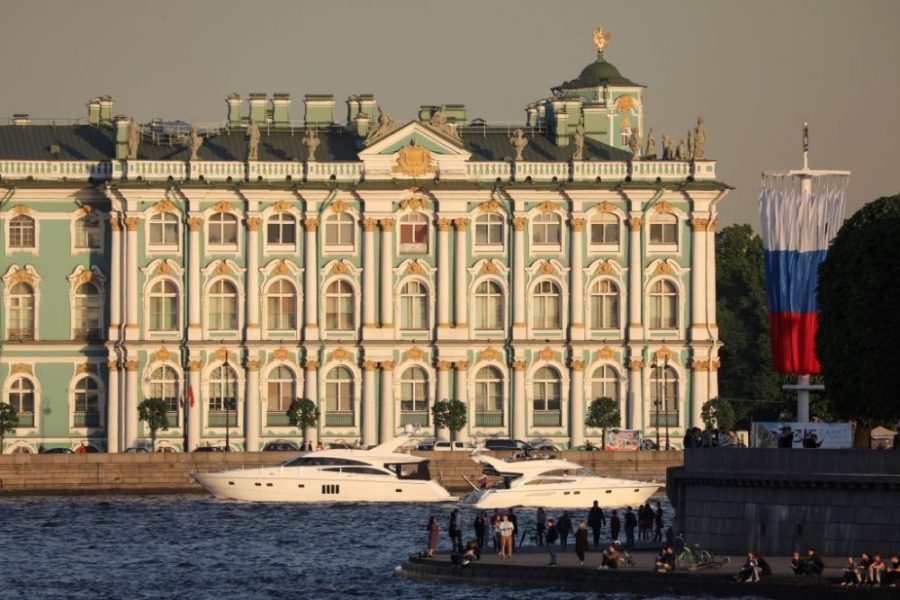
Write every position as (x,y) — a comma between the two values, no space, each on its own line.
(417,470)
(582,472)
(320,461)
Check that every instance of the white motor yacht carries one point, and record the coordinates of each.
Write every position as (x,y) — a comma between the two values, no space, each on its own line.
(380,474)
(553,483)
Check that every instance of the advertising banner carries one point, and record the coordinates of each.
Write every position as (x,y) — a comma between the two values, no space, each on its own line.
(803,435)
(623,440)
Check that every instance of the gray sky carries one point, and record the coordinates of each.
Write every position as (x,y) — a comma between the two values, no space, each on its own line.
(755,70)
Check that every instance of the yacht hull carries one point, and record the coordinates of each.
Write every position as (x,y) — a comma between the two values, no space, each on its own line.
(569,496)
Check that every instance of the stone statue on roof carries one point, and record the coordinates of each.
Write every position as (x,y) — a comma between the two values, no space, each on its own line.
(635,144)
(668,148)
(311,141)
(690,145)
(518,141)
(578,141)
(134,139)
(650,152)
(253,141)
(439,122)
(681,152)
(385,126)
(699,140)
(195,142)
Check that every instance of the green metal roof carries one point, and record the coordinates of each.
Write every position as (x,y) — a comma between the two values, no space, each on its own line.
(598,74)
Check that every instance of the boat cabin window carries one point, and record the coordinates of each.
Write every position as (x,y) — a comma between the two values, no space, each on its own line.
(320,461)
(417,470)
(569,473)
(554,481)
(356,470)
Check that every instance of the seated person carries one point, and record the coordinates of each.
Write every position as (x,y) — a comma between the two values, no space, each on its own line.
(470,554)
(864,562)
(764,568)
(610,558)
(474,548)
(750,570)
(797,566)
(813,564)
(877,570)
(892,574)
(851,572)
(665,562)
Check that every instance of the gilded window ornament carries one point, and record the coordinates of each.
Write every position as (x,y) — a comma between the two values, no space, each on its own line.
(605,353)
(414,268)
(165,205)
(162,354)
(221,354)
(663,207)
(281,206)
(22,368)
(281,354)
(547,354)
(490,267)
(605,267)
(282,268)
(84,277)
(414,203)
(663,354)
(547,268)
(223,269)
(340,354)
(546,206)
(488,354)
(341,268)
(605,207)
(664,268)
(21,210)
(339,206)
(414,353)
(489,206)
(22,276)
(223,207)
(163,268)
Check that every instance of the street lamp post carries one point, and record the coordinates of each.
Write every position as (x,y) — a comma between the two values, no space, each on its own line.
(656,406)
(227,408)
(665,368)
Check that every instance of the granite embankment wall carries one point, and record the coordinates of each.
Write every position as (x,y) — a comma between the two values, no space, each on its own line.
(776,501)
(171,473)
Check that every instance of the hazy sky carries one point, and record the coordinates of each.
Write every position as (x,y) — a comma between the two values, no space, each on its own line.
(754,69)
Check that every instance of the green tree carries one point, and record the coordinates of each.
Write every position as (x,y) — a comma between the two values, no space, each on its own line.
(859,323)
(303,414)
(450,414)
(603,412)
(8,421)
(717,413)
(746,376)
(152,411)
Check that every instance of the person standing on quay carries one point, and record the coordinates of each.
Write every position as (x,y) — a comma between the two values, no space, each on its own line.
(480,529)
(454,532)
(552,535)
(515,523)
(434,535)
(581,541)
(564,528)
(495,529)
(540,525)
(596,520)
(630,524)
(614,526)
(507,531)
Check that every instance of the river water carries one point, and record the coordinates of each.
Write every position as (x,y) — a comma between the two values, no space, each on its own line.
(187,546)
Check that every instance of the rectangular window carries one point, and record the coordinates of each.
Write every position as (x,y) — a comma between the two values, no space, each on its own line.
(604,234)
(413,238)
(87,234)
(281,233)
(663,233)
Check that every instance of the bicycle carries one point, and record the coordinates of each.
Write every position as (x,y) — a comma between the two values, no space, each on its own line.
(694,557)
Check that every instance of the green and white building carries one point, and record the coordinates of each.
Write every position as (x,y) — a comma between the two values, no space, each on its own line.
(397,265)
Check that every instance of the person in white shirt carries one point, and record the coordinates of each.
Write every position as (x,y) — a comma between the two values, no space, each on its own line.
(506,534)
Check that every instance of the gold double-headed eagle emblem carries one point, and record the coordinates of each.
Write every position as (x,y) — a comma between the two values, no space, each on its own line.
(601,38)
(413,160)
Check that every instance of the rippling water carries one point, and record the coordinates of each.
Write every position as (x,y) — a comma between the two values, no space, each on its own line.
(196,547)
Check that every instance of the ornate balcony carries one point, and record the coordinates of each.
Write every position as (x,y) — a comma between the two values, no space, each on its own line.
(21,335)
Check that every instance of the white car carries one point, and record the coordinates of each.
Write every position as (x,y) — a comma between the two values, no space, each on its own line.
(445,446)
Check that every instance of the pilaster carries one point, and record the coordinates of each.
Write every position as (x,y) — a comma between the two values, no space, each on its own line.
(192,402)
(112,408)
(194,292)
(519,409)
(698,329)
(253,304)
(115,278)
(311,391)
(576,284)
(519,225)
(576,404)
(131,403)
(369,275)
(635,394)
(131,314)
(443,296)
(388,426)
(635,268)
(699,390)
(387,274)
(462,227)
(311,278)
(442,393)
(462,394)
(369,418)
(253,408)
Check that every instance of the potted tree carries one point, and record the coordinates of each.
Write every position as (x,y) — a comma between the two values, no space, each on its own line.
(717,413)
(152,411)
(303,414)
(603,412)
(8,421)
(450,414)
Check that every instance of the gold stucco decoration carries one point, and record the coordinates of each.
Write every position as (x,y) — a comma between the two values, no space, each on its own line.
(489,206)
(281,354)
(162,354)
(605,267)
(21,210)
(370,365)
(635,223)
(387,225)
(131,223)
(194,365)
(700,365)
(253,223)
(576,365)
(547,268)
(444,224)
(519,365)
(519,223)
(22,276)
(605,207)
(698,224)
(444,365)
(221,354)
(488,354)
(339,206)
(601,38)
(547,354)
(605,353)
(635,365)
(414,353)
(223,269)
(490,268)
(84,277)
(414,203)
(194,223)
(165,205)
(663,354)
(625,104)
(163,268)
(387,365)
(370,225)
(131,365)
(340,268)
(577,224)
(312,365)
(414,268)
(664,268)
(546,206)
(22,368)
(252,365)
(663,207)
(413,160)
(223,206)
(311,224)
(282,268)
(281,206)
(340,354)
(461,365)
(461,224)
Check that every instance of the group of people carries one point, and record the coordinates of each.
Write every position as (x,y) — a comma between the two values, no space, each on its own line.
(695,437)
(870,569)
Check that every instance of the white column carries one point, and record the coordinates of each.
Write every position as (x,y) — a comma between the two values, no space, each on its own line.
(311,392)
(699,391)
(698,278)
(518,409)
(253,408)
(369,275)
(311,277)
(519,224)
(576,405)
(387,272)
(194,414)
(443,291)
(112,408)
(710,249)
(636,395)
(115,278)
(131,314)
(131,403)
(462,394)
(388,426)
(442,393)
(253,306)
(368,418)
(462,226)
(194,292)
(576,284)
(635,328)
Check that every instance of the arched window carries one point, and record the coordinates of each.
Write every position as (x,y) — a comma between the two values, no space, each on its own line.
(339,230)
(604,305)
(339,397)
(87,403)
(605,384)
(663,396)
(87,233)
(223,305)
(21,398)
(547,388)
(663,305)
(414,234)
(547,305)
(223,228)
(489,230)
(489,305)
(86,311)
(223,397)
(414,306)
(339,306)
(282,389)
(163,306)
(21,232)
(281,306)
(488,398)
(546,230)
(664,229)
(605,229)
(414,397)
(21,312)
(164,385)
(162,230)
(281,230)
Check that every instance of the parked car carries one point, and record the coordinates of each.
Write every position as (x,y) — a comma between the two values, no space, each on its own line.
(426,444)
(447,446)
(507,444)
(281,446)
(56,451)
(209,449)
(134,449)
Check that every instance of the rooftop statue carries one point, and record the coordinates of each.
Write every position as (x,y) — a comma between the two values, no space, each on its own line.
(385,126)
(311,141)
(439,121)
(578,140)
(601,38)
(690,145)
(253,141)
(681,151)
(668,148)
(650,152)
(635,144)
(518,141)
(195,142)
(699,140)
(134,139)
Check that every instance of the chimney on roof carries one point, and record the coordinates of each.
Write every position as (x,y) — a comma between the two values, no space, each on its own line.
(560,124)
(94,111)
(281,110)
(234,109)
(21,119)
(259,105)
(106,107)
(122,122)
(319,109)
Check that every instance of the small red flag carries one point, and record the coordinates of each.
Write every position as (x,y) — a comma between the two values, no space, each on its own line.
(191,396)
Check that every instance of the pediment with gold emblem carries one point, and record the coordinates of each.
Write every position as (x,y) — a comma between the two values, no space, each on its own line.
(414,151)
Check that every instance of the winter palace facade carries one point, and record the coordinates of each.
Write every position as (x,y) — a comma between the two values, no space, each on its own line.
(372,266)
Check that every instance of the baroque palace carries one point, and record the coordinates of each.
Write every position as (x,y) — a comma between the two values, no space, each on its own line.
(373,267)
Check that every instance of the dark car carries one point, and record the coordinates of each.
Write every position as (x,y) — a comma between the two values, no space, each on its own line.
(209,449)
(57,451)
(507,444)
(134,449)
(281,446)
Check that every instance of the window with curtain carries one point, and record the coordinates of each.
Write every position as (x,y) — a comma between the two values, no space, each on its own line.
(663,396)
(281,390)
(87,403)
(86,308)
(162,230)
(489,304)
(339,390)
(163,306)
(339,230)
(222,230)
(547,305)
(488,397)
(281,230)
(164,386)
(489,230)
(87,233)
(223,390)
(22,232)
(21,312)
(223,306)
(605,229)
(414,390)
(339,306)
(664,229)
(413,234)
(663,305)
(604,305)
(546,230)
(414,306)
(21,398)
(281,306)
(547,389)
(604,384)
